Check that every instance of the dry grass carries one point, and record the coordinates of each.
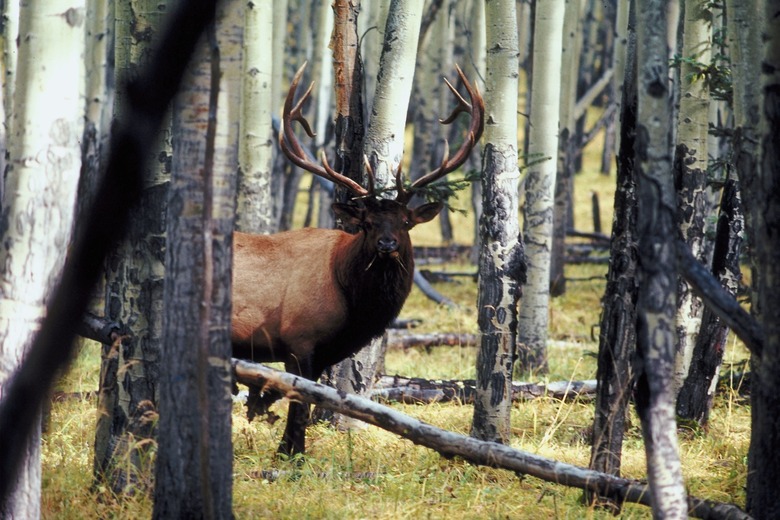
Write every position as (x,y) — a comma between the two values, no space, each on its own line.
(369,473)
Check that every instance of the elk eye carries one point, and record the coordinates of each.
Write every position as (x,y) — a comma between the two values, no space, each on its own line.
(407,223)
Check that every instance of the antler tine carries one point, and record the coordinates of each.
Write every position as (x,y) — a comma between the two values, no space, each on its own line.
(477,110)
(293,149)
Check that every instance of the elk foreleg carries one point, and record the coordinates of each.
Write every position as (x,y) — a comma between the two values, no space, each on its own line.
(294,438)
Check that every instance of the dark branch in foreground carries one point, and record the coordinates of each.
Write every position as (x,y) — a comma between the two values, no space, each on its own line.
(714,296)
(149,95)
(451,444)
(100,329)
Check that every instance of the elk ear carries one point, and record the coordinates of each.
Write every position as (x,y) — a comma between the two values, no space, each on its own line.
(426,212)
(349,214)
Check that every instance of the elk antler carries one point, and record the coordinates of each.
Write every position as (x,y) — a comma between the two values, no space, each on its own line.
(477,111)
(293,149)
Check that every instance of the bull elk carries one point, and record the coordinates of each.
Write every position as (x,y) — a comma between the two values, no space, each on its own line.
(313,297)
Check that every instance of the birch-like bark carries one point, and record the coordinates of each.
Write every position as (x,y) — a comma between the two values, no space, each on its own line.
(99,95)
(371,27)
(256,139)
(567,142)
(657,304)
(384,146)
(323,113)
(40,197)
(501,261)
(540,184)
(425,102)
(193,476)
(475,68)
(134,278)
(690,170)
(10,46)
(8,41)
(384,142)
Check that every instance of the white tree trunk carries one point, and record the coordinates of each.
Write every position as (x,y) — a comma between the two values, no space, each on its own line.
(619,63)
(657,265)
(384,142)
(540,184)
(256,139)
(384,147)
(39,202)
(692,137)
(501,254)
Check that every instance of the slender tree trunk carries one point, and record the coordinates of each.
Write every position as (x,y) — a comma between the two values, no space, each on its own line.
(323,122)
(501,260)
(763,457)
(99,96)
(383,146)
(696,396)
(690,168)
(134,280)
(446,42)
(373,38)
(567,144)
(256,140)
(39,200)
(8,40)
(657,305)
(476,61)
(617,339)
(540,184)
(281,167)
(194,463)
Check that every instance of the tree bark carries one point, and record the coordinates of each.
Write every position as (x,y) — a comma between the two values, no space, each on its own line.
(501,260)
(696,396)
(540,185)
(52,347)
(421,391)
(763,456)
(383,146)
(134,272)
(567,144)
(690,170)
(256,141)
(617,338)
(656,305)
(193,476)
(38,205)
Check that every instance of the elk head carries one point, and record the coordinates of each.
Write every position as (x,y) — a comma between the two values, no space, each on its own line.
(295,152)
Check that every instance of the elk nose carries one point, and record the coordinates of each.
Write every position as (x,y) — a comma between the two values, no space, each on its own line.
(387,245)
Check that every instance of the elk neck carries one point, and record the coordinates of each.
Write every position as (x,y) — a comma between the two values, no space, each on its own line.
(374,284)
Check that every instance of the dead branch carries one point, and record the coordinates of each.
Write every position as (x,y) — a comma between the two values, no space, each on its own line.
(714,296)
(100,329)
(416,390)
(478,452)
(404,340)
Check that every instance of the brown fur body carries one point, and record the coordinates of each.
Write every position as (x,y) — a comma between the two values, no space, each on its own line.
(313,297)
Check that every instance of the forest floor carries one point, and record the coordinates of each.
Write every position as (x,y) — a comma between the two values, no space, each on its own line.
(370,473)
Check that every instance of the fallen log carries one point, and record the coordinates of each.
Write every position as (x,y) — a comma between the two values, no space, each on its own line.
(450,444)
(415,390)
(404,340)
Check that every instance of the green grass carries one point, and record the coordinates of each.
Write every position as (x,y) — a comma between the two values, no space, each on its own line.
(370,473)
